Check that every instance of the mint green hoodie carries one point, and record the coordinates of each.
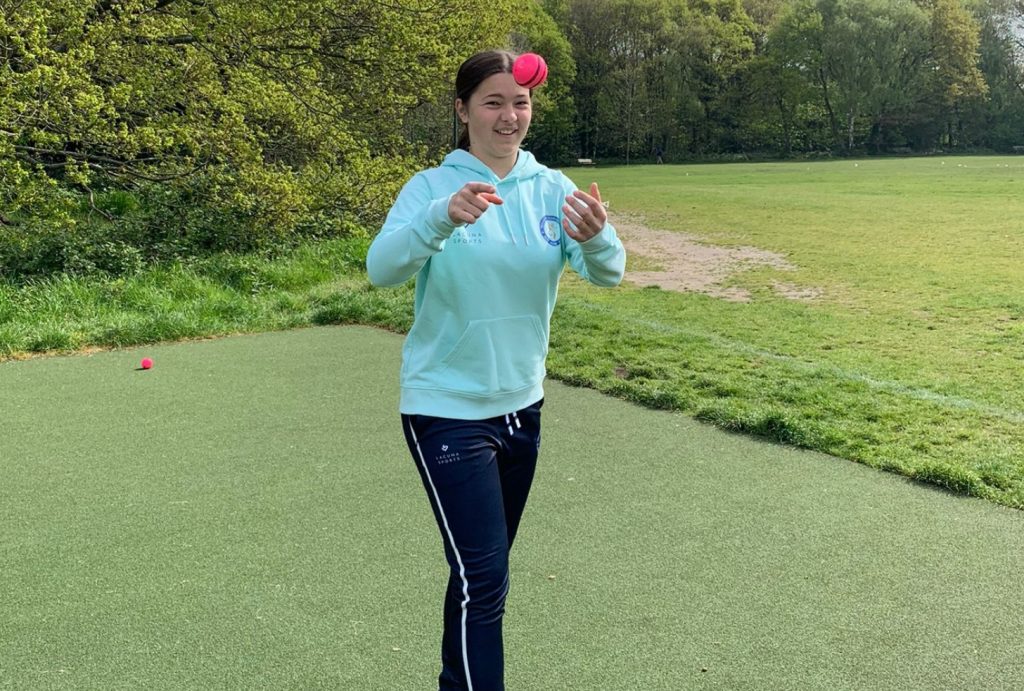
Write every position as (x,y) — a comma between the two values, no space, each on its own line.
(485,291)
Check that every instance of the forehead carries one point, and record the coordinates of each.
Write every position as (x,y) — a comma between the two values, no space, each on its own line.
(501,84)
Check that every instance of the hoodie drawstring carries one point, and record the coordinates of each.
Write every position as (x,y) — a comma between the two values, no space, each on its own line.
(507,224)
(525,227)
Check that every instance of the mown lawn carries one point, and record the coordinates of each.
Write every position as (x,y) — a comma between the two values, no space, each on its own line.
(909,360)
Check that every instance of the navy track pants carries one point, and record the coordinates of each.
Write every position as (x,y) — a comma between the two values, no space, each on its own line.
(477,474)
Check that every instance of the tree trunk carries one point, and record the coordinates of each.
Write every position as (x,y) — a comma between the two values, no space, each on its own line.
(959,123)
(629,118)
(787,141)
(832,121)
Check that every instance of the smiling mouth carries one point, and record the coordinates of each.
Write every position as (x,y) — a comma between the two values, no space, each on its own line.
(507,133)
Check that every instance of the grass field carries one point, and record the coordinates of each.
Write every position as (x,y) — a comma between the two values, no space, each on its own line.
(911,358)
(909,361)
(246,515)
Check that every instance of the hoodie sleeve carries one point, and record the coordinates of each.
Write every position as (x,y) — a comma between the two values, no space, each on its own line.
(414,230)
(601,259)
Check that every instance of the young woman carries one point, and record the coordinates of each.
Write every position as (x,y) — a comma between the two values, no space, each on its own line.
(487,235)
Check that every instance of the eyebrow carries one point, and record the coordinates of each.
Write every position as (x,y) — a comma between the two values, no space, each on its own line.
(503,96)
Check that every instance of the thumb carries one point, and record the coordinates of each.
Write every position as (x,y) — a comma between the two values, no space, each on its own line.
(594,192)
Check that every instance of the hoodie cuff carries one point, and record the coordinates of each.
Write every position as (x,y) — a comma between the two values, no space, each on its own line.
(438,219)
(598,242)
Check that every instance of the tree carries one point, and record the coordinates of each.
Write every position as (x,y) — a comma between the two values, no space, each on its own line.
(865,57)
(654,72)
(997,121)
(715,40)
(634,84)
(955,39)
(552,133)
(248,121)
(590,29)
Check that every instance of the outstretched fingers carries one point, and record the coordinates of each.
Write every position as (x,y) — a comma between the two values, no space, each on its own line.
(584,215)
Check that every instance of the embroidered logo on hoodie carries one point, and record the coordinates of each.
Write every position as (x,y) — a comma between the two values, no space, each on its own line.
(549,230)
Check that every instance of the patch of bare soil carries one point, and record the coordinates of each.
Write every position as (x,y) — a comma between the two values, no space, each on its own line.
(687,264)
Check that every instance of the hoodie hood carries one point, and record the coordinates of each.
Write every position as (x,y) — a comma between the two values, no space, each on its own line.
(526,166)
(475,170)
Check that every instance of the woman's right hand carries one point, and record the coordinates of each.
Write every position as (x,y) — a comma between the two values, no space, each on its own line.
(470,202)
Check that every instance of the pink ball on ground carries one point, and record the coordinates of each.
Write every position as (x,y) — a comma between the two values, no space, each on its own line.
(146,363)
(529,70)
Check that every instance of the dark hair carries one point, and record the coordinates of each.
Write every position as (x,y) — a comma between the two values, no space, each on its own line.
(475,70)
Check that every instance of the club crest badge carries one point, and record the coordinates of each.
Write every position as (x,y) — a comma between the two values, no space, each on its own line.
(550,230)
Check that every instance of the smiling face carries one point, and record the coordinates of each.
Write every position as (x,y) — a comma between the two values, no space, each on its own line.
(497,116)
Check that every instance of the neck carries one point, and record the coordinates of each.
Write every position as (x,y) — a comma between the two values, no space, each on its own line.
(500,166)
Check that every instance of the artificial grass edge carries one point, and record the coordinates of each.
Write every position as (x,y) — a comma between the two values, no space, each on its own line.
(336,292)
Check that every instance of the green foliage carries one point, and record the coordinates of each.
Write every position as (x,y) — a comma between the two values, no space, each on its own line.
(998,120)
(268,122)
(955,40)
(703,78)
(867,60)
(254,122)
(215,294)
(653,73)
(551,135)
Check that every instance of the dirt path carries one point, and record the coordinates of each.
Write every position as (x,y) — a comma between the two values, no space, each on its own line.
(687,264)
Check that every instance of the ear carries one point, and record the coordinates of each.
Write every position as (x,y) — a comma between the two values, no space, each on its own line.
(461,111)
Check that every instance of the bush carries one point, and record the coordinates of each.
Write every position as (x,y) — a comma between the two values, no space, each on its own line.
(118,232)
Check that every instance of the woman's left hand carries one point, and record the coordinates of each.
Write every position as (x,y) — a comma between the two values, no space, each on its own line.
(584,214)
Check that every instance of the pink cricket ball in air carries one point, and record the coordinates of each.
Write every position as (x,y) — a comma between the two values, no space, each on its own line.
(147,363)
(529,70)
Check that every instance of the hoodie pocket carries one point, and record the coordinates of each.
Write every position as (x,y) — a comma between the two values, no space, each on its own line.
(495,356)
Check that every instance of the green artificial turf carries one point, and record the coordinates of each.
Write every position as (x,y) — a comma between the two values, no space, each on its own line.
(245,515)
